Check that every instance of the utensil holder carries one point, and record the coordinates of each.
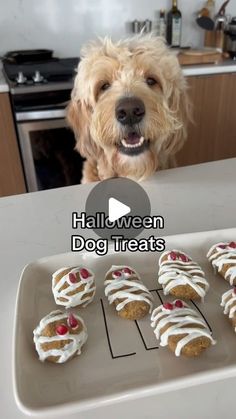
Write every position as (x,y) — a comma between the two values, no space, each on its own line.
(214,39)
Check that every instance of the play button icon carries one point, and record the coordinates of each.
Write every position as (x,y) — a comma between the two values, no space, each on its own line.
(113,203)
(117,210)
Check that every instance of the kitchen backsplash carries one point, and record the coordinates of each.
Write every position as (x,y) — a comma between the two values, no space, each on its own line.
(64,25)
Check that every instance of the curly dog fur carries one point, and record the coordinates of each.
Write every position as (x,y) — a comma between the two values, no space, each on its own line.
(140,67)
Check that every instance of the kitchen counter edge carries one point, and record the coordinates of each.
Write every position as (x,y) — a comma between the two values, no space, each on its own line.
(188,71)
(228,66)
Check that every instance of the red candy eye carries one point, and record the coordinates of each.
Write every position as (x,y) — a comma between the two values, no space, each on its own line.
(84,273)
(127,271)
(72,321)
(62,329)
(117,273)
(72,278)
(179,304)
(233,245)
(183,257)
(173,255)
(168,306)
(222,246)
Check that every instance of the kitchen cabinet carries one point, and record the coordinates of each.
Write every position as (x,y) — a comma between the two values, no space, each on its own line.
(11,173)
(212,134)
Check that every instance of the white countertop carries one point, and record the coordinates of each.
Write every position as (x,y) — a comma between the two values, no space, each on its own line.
(228,66)
(194,198)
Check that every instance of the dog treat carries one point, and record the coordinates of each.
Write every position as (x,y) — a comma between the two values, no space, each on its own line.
(59,337)
(223,258)
(229,303)
(125,290)
(181,329)
(73,287)
(181,277)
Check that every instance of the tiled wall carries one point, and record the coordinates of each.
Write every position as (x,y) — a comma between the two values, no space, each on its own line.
(64,25)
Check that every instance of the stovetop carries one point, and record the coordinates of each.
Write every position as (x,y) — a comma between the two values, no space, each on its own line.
(39,76)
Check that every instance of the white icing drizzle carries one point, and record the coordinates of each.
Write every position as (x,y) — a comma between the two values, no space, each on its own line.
(179,318)
(173,273)
(82,297)
(113,288)
(76,340)
(219,257)
(229,303)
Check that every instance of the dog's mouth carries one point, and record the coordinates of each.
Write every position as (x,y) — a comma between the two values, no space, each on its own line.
(133,144)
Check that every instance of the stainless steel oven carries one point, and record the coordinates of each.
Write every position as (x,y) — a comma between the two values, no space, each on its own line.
(47,149)
(40,91)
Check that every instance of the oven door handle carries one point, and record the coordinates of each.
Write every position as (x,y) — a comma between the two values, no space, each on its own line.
(40,115)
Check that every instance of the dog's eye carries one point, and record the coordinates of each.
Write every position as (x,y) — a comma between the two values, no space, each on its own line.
(151,81)
(105,86)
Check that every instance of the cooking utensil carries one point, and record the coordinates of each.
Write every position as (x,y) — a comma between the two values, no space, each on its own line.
(221,18)
(223,8)
(204,20)
(23,56)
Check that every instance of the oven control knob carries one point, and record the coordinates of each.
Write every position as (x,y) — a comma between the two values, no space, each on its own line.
(37,77)
(21,79)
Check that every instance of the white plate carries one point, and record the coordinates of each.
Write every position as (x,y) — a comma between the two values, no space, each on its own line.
(121,359)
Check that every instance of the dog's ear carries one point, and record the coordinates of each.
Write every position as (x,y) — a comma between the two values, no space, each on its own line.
(78,117)
(181,109)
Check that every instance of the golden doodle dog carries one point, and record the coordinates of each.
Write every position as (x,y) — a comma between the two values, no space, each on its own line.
(128,108)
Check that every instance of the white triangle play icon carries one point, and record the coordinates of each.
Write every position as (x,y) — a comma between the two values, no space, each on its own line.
(116,209)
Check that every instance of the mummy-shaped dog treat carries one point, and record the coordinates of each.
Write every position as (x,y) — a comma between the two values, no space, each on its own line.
(181,329)
(125,290)
(73,287)
(223,258)
(229,303)
(181,277)
(59,337)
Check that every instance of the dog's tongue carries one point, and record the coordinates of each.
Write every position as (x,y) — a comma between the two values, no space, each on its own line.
(132,138)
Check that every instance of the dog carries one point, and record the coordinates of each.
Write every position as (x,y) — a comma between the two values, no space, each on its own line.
(129,108)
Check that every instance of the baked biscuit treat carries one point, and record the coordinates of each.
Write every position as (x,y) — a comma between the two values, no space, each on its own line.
(73,287)
(59,337)
(223,258)
(229,303)
(181,277)
(127,293)
(181,329)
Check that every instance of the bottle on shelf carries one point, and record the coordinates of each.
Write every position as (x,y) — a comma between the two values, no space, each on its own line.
(174,25)
(161,28)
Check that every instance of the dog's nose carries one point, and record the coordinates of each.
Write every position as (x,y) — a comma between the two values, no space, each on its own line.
(130,110)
